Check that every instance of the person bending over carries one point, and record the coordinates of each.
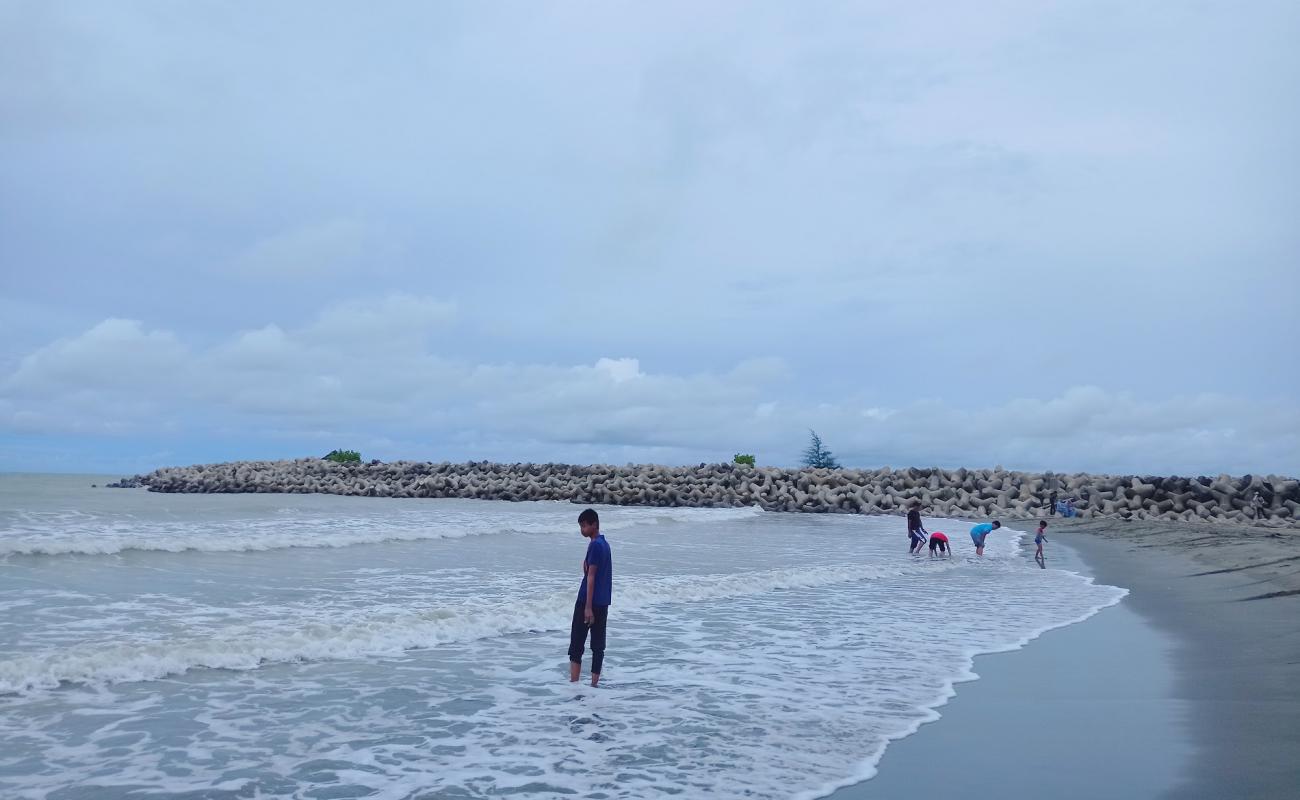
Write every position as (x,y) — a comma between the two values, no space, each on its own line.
(980,532)
(939,541)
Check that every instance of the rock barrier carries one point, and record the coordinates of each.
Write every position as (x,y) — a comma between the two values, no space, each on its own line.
(941,492)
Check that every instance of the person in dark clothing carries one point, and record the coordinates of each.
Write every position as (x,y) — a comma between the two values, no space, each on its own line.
(915,530)
(1051,504)
(591,610)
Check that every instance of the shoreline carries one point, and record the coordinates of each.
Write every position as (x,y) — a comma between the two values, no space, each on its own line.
(1035,720)
(1188,688)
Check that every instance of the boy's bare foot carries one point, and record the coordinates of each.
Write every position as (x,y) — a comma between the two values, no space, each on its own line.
(595,679)
(574,670)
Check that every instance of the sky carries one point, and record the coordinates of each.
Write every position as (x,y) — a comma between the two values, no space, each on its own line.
(1037,235)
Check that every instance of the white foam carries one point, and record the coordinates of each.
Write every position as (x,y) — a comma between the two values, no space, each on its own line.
(311,634)
(64,533)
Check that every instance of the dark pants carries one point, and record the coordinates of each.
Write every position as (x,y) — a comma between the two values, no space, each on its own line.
(935,544)
(578,635)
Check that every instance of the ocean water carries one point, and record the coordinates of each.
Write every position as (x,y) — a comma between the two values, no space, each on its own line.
(311,646)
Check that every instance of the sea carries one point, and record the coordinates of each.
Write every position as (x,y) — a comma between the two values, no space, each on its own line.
(317,646)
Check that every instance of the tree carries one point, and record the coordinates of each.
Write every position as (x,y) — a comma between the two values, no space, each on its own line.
(343,456)
(817,456)
(744,458)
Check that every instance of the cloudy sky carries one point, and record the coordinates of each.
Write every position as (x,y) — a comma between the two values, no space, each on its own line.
(1042,235)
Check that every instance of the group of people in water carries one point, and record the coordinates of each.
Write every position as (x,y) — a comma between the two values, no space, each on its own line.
(595,593)
(918,536)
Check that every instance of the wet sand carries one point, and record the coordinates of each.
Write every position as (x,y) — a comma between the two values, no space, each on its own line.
(1230,597)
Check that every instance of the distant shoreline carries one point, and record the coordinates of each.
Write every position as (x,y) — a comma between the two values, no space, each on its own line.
(1259,500)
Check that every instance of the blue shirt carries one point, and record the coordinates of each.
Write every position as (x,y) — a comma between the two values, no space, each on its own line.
(600,557)
(982,529)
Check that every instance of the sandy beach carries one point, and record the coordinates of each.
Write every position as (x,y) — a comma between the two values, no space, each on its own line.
(1187,689)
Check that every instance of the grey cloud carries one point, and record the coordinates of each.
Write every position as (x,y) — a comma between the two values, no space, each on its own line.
(981,206)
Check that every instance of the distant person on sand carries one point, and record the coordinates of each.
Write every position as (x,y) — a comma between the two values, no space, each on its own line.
(591,611)
(1040,536)
(1051,504)
(1066,507)
(915,530)
(1257,503)
(979,532)
(939,541)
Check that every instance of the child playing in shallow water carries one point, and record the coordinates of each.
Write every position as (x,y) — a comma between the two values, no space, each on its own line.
(1040,536)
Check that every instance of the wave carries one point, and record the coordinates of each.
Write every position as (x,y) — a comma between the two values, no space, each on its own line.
(383,633)
(108,537)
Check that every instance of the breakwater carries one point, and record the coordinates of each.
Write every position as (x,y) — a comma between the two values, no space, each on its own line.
(1270,499)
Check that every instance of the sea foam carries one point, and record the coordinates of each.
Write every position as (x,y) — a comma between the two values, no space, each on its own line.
(65,533)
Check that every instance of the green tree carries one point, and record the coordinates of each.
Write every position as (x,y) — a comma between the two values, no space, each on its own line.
(343,456)
(817,456)
(743,458)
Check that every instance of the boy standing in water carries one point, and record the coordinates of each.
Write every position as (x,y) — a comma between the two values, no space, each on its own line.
(979,532)
(1040,536)
(591,611)
(915,531)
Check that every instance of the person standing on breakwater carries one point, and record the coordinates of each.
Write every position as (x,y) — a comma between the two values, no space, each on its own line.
(915,530)
(591,611)
(979,532)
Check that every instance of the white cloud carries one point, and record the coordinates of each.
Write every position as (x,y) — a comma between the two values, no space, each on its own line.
(397,321)
(115,354)
(1085,427)
(620,369)
(119,378)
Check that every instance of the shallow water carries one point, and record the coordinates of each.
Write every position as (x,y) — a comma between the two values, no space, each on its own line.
(311,646)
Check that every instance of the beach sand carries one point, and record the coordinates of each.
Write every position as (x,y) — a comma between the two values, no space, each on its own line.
(1190,688)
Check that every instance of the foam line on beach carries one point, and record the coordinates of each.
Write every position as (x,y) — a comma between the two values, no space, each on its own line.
(867,768)
(382,634)
(85,535)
